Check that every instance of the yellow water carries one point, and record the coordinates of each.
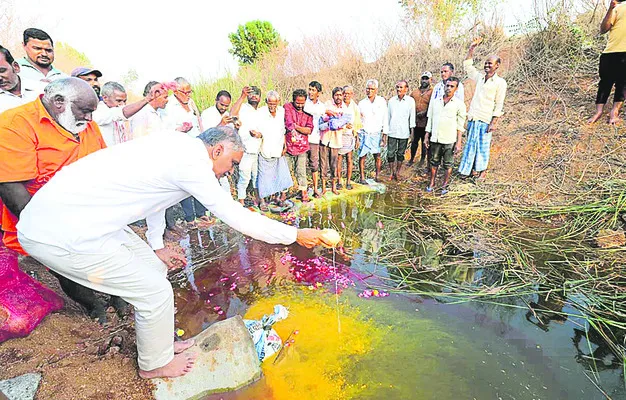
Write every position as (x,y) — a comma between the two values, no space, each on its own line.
(314,366)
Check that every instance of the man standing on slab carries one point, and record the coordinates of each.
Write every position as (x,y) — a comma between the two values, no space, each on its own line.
(78,226)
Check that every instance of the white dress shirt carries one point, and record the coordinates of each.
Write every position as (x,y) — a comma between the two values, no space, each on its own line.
(174,115)
(249,116)
(440,90)
(273,131)
(28,71)
(445,120)
(488,100)
(316,110)
(401,116)
(30,90)
(374,115)
(146,121)
(110,120)
(87,205)
(211,117)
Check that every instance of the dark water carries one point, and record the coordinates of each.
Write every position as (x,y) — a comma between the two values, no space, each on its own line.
(415,347)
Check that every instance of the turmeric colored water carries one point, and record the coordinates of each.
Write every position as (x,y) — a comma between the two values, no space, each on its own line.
(394,347)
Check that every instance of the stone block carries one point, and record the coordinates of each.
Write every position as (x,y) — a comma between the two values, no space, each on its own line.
(226,361)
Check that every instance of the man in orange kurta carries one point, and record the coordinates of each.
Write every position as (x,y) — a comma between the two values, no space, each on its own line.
(36,140)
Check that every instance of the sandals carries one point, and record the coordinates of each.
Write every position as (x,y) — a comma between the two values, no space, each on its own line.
(264,207)
(429,189)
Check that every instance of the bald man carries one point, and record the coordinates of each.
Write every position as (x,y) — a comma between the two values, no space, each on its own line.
(485,110)
(37,139)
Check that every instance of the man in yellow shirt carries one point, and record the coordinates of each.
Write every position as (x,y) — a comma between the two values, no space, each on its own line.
(612,62)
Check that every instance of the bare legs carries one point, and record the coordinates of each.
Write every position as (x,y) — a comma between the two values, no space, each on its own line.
(348,168)
(377,161)
(597,115)
(614,115)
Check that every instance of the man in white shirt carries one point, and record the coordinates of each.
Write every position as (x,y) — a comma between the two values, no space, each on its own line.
(148,120)
(274,177)
(77,225)
(247,113)
(218,115)
(316,108)
(374,118)
(401,124)
(445,126)
(113,113)
(37,65)
(485,110)
(15,91)
(446,72)
(180,112)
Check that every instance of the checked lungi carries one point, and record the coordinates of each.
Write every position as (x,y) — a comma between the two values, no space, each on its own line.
(476,151)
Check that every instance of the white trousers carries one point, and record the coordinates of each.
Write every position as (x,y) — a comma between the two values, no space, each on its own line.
(133,273)
(248,169)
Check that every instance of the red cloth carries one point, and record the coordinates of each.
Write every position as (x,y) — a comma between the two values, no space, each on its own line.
(24,302)
(296,142)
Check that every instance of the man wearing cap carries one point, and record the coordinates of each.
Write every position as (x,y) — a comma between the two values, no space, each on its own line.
(90,76)
(15,91)
(37,65)
(421,96)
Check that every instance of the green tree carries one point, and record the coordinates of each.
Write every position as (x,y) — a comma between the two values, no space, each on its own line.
(441,15)
(252,40)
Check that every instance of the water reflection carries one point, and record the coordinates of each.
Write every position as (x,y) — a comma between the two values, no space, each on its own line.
(529,340)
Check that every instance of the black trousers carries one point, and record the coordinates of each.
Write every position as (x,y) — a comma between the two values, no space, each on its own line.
(612,71)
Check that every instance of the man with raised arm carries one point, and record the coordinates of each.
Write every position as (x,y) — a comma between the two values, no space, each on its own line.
(485,110)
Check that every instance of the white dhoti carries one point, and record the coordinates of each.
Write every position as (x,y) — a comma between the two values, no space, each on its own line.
(135,274)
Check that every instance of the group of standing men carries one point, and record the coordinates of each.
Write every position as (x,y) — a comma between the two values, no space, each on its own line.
(75,221)
(68,195)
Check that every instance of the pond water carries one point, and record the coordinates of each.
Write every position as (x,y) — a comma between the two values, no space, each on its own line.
(358,344)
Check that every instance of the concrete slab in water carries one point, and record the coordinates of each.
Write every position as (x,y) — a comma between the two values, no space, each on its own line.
(22,387)
(226,361)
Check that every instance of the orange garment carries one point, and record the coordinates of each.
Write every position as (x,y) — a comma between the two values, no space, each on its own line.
(421,105)
(33,147)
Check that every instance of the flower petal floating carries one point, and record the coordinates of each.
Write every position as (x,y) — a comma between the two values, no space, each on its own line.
(367,293)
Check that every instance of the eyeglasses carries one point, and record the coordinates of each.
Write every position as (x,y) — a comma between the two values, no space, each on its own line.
(185,92)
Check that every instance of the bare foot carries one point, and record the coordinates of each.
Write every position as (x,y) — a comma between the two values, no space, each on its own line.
(181,346)
(614,119)
(179,366)
(595,117)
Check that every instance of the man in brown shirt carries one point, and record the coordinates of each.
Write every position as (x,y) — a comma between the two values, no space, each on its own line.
(422,99)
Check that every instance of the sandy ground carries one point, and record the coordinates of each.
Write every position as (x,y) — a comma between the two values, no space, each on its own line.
(535,160)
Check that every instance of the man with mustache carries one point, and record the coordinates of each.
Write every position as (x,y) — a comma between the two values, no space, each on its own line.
(37,65)
(15,91)
(90,76)
(484,112)
(37,139)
